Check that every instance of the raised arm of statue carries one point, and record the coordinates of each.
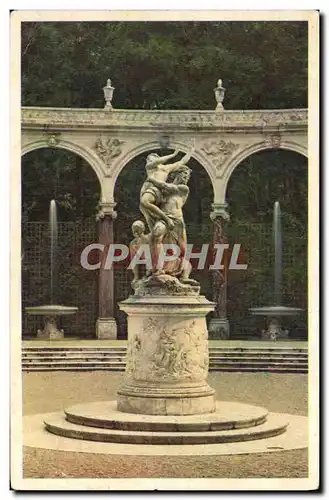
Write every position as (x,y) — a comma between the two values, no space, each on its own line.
(154,159)
(163,159)
(166,187)
(174,166)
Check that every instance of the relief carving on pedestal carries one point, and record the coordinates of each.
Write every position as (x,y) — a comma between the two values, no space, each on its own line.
(181,353)
(219,152)
(108,151)
(133,350)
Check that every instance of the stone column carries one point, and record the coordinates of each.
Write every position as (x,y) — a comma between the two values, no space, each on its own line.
(106,327)
(219,325)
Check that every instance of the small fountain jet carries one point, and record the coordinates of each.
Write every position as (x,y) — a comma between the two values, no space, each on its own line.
(52,311)
(275,312)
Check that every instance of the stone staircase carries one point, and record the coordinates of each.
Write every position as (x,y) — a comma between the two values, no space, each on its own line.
(249,358)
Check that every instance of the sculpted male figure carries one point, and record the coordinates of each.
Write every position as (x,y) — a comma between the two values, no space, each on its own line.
(151,196)
(175,196)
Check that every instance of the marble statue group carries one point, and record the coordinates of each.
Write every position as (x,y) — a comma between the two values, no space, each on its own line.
(162,198)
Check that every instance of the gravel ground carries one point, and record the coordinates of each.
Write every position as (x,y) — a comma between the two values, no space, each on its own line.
(51,391)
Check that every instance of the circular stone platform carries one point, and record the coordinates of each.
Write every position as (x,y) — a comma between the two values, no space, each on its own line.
(231,422)
(227,416)
(295,437)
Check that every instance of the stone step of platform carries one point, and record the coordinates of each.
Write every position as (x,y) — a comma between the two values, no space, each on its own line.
(121,366)
(213,361)
(95,368)
(61,352)
(57,424)
(252,360)
(281,359)
(228,415)
(115,358)
(86,356)
(265,366)
(248,369)
(75,364)
(247,353)
(212,354)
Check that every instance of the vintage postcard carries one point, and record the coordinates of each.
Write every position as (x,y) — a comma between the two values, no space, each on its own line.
(164,305)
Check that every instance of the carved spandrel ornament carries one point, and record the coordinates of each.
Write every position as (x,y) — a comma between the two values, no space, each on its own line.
(219,152)
(53,140)
(272,141)
(108,151)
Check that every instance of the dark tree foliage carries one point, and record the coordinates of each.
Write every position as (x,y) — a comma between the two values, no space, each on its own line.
(165,65)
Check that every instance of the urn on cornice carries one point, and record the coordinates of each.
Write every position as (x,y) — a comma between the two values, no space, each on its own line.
(219,94)
(108,94)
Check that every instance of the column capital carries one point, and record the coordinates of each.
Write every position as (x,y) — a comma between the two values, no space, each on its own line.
(106,208)
(219,211)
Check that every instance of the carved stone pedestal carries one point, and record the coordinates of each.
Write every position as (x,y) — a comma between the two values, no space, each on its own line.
(219,329)
(167,356)
(275,331)
(106,328)
(50,330)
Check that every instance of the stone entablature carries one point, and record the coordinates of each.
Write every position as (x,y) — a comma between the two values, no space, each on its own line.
(183,119)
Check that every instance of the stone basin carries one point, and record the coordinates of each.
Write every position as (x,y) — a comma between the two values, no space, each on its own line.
(274,330)
(275,311)
(51,310)
(50,313)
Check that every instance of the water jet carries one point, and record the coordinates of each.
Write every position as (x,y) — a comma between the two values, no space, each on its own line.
(277,311)
(52,311)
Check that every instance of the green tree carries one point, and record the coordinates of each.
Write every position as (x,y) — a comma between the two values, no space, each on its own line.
(165,65)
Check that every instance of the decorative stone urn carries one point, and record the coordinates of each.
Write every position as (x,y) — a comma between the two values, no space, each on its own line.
(219,95)
(108,94)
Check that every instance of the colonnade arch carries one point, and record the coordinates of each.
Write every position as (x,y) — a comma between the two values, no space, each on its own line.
(60,174)
(251,217)
(69,146)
